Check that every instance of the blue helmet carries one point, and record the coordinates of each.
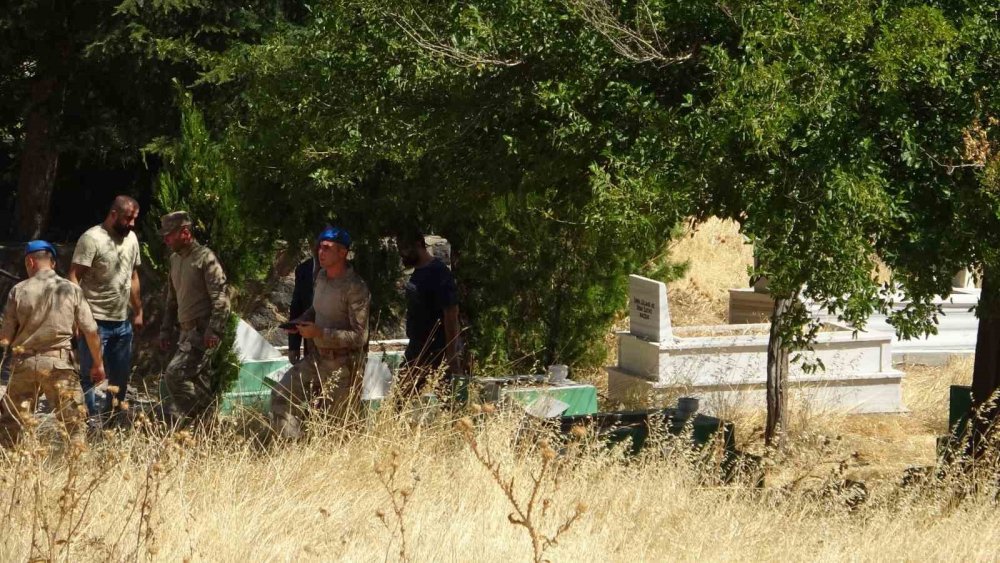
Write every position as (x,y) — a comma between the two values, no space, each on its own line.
(36,245)
(335,234)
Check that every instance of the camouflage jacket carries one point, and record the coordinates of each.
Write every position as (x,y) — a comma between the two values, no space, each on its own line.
(340,307)
(196,291)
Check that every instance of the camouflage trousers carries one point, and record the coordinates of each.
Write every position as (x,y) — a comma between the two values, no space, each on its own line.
(187,384)
(336,379)
(32,376)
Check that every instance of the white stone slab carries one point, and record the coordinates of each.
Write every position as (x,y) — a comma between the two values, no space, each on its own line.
(957,325)
(648,312)
(721,357)
(857,394)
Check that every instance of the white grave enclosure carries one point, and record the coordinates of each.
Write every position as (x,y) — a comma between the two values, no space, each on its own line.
(957,324)
(725,365)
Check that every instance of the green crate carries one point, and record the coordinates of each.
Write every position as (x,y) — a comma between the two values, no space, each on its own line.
(252,389)
(634,426)
(582,399)
(959,407)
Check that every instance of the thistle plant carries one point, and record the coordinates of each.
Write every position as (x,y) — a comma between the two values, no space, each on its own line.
(532,511)
(399,496)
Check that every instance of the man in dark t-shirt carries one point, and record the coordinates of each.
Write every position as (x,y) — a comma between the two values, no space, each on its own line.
(432,324)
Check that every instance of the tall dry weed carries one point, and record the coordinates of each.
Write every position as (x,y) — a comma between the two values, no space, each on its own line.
(224,494)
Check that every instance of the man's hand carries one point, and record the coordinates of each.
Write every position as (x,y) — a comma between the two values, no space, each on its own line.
(294,356)
(211,340)
(4,343)
(97,374)
(138,322)
(165,343)
(309,330)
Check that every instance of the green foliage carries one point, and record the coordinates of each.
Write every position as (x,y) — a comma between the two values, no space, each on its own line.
(510,128)
(100,72)
(555,144)
(915,45)
(797,164)
(197,178)
(936,96)
(843,128)
(222,363)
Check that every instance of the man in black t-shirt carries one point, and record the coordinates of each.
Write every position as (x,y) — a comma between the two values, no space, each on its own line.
(432,324)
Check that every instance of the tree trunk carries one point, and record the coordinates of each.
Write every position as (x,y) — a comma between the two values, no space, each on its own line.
(777,373)
(39,160)
(986,370)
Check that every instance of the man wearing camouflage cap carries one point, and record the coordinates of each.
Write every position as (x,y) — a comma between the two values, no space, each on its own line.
(337,327)
(39,320)
(198,304)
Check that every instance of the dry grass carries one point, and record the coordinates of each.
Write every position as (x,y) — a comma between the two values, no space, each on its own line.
(225,498)
(717,261)
(880,447)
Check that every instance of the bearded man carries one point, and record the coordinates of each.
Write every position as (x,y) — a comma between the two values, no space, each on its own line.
(106,266)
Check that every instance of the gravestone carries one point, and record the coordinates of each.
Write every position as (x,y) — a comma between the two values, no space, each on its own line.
(648,313)
(725,365)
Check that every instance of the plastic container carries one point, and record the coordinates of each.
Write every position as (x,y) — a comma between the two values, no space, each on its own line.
(558,373)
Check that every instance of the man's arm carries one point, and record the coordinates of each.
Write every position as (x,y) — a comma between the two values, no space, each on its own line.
(77,272)
(9,328)
(308,317)
(135,299)
(452,332)
(83,258)
(447,299)
(97,374)
(215,283)
(86,324)
(301,301)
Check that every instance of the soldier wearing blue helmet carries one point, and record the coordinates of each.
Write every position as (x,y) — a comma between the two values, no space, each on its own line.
(337,327)
(39,320)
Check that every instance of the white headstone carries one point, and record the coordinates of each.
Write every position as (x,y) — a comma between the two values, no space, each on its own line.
(964,280)
(648,313)
(250,345)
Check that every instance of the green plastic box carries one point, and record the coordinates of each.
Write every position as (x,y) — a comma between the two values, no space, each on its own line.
(252,389)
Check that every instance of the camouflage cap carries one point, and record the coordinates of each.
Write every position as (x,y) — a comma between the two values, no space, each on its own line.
(173,221)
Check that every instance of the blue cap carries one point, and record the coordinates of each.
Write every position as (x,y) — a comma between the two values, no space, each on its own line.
(334,234)
(36,245)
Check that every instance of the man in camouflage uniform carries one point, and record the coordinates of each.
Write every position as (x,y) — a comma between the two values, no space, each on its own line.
(198,304)
(337,327)
(39,319)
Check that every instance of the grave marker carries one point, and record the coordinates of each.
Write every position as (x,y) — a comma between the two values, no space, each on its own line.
(648,313)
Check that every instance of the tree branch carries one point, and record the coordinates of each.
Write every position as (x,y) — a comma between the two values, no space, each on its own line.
(429,41)
(633,43)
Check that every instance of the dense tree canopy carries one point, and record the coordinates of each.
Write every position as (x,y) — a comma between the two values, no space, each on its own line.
(496,124)
(556,144)
(86,85)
